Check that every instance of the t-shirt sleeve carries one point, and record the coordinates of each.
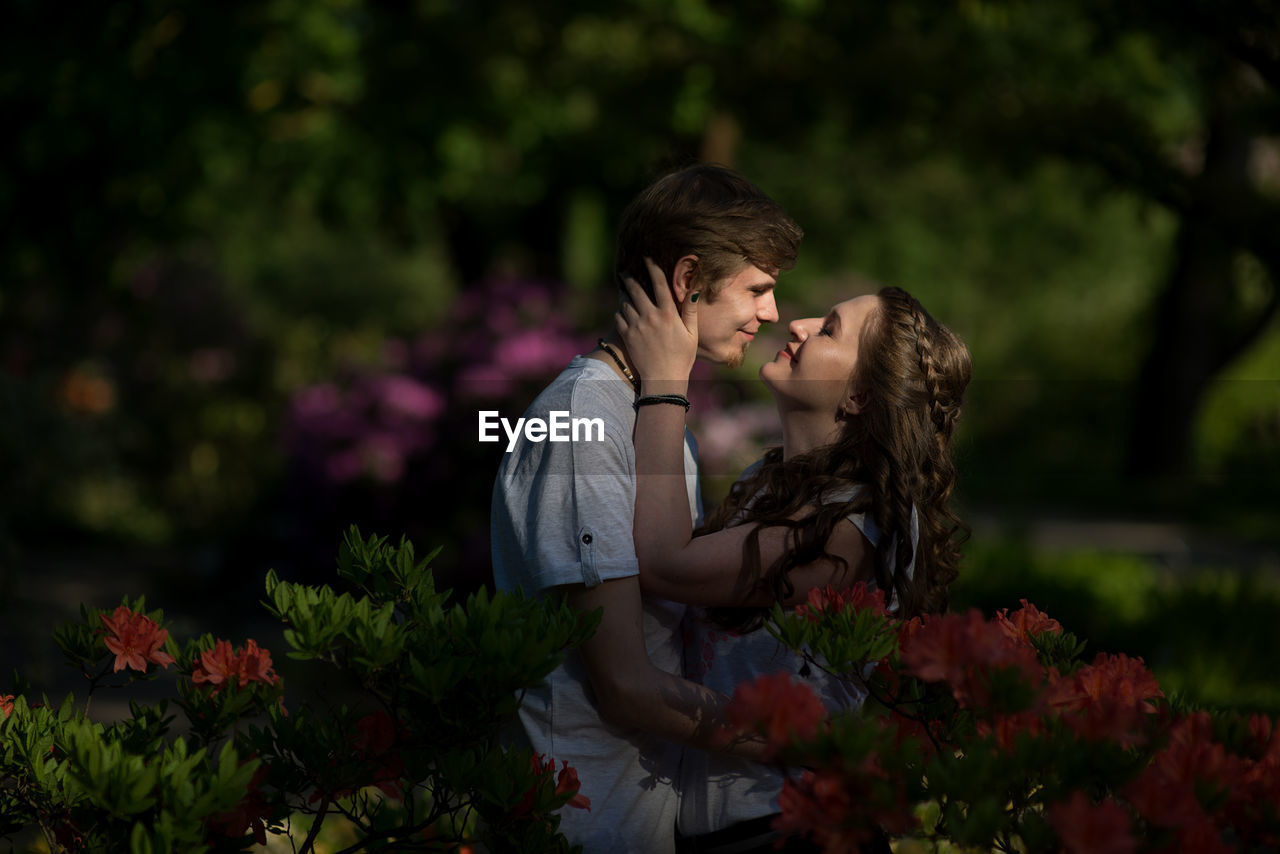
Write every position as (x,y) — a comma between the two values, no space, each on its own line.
(577,501)
(603,509)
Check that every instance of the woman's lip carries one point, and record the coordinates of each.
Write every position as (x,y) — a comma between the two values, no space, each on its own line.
(785,352)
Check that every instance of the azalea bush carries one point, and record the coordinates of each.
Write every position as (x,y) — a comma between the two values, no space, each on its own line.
(411,760)
(997,734)
(390,427)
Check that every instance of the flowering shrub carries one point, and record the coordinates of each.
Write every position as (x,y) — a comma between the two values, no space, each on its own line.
(378,441)
(501,341)
(411,758)
(994,734)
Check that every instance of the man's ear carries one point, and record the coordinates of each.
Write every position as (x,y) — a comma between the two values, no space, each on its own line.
(683,277)
(855,401)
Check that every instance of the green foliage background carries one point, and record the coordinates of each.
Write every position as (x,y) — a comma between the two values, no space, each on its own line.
(209,208)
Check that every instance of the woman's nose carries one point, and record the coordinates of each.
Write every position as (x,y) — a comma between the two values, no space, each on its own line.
(799,329)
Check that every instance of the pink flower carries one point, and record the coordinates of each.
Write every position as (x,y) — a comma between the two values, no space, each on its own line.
(533,352)
(783,707)
(406,396)
(135,639)
(6,704)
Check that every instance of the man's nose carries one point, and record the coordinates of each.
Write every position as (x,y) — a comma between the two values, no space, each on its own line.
(767,309)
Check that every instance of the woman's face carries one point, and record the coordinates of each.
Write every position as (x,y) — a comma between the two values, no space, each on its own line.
(813,370)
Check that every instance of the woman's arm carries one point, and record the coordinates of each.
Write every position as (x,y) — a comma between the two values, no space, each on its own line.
(707,570)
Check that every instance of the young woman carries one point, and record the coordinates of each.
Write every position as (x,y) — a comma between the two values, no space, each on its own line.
(868,397)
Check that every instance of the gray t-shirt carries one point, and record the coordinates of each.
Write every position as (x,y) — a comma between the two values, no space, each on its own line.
(562,514)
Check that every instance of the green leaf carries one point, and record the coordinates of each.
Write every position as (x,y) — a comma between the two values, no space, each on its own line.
(140,840)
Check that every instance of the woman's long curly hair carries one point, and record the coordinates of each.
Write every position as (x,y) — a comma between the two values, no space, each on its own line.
(898,449)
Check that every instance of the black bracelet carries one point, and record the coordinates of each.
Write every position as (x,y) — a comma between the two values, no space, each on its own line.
(647,399)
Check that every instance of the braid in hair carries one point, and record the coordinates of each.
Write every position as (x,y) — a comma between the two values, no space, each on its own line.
(897,450)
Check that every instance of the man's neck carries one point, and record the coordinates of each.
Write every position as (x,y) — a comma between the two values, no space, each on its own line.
(620,349)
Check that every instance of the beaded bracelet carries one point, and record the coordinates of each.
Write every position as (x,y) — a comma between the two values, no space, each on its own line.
(648,399)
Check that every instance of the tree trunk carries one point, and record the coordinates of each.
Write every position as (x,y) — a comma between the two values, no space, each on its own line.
(1200,326)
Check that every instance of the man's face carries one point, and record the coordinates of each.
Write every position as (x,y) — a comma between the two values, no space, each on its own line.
(728,324)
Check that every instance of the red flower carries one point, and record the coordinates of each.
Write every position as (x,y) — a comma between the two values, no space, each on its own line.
(1193,759)
(374,745)
(963,650)
(566,782)
(781,706)
(1162,801)
(1260,778)
(6,704)
(840,809)
(1109,699)
(254,665)
(1025,622)
(905,728)
(220,665)
(823,600)
(375,733)
(1203,838)
(375,737)
(1261,731)
(1088,829)
(1007,728)
(246,815)
(135,639)
(819,806)
(217,666)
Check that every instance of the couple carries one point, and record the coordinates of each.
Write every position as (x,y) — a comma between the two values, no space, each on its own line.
(868,396)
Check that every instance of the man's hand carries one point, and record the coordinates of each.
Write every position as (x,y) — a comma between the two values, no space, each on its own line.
(631,692)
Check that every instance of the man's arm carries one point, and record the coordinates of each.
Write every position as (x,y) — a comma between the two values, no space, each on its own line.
(631,692)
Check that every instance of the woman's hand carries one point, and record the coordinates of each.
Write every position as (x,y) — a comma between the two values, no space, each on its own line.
(661,338)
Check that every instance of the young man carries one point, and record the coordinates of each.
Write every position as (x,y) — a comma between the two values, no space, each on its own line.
(617,708)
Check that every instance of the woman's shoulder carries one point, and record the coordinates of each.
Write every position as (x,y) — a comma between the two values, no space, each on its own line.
(751,469)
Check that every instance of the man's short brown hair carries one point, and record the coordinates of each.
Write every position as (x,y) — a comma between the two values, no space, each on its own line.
(711,212)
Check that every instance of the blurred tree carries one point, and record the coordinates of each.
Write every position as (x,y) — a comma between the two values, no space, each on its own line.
(318,175)
(1178,105)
